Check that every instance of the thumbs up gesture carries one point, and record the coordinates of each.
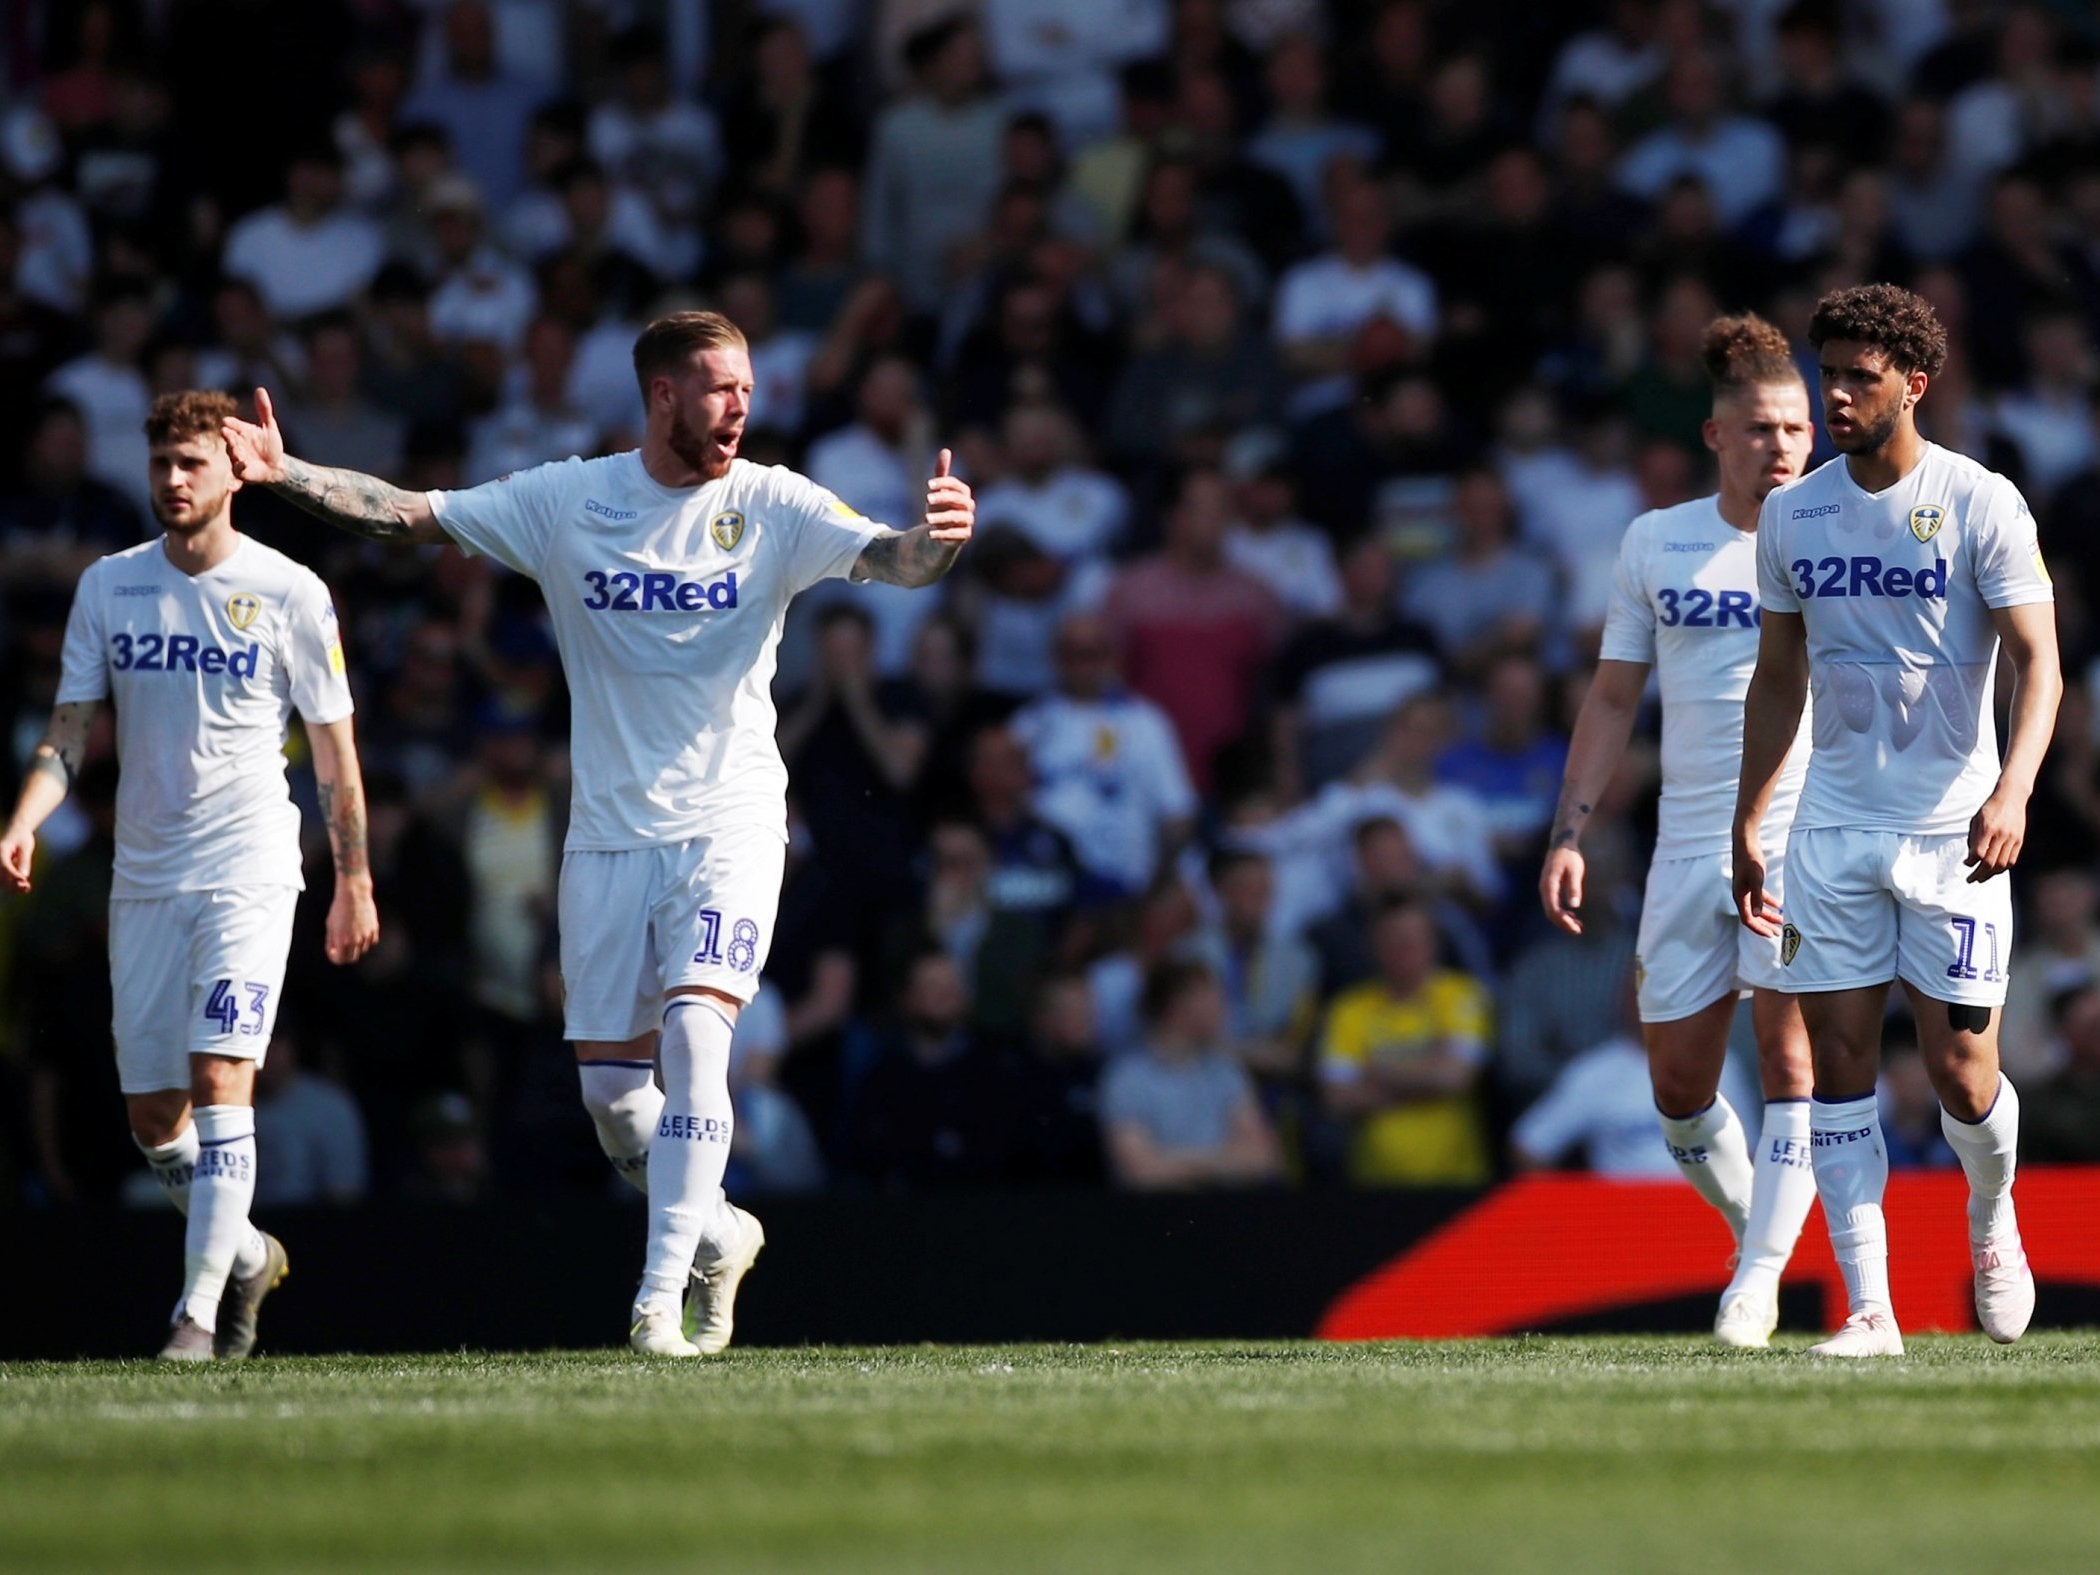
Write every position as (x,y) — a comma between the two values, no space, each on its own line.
(951,509)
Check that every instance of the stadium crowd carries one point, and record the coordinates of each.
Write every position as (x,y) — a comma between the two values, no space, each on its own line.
(1309,358)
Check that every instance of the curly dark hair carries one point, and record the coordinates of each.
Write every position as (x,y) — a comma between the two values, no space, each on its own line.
(1741,351)
(1902,326)
(195,412)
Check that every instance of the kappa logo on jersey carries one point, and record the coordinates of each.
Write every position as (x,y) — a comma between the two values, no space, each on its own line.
(1829,577)
(1789,945)
(627,591)
(171,653)
(1691,546)
(1818,512)
(1926,520)
(243,607)
(607,511)
(138,590)
(727,529)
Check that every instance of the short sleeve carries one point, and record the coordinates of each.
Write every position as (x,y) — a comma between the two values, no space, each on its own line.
(84,664)
(314,654)
(1775,582)
(510,519)
(2009,567)
(1168,773)
(1629,618)
(825,537)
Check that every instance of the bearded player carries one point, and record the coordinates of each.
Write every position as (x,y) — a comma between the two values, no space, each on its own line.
(205,642)
(1684,604)
(1889,579)
(667,571)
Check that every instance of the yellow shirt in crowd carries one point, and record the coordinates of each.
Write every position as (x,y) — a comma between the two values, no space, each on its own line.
(1433,1142)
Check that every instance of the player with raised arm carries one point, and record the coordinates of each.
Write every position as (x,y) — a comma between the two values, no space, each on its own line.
(1684,603)
(667,571)
(1889,580)
(205,642)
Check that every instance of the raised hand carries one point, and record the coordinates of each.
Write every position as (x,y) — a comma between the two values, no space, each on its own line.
(951,509)
(256,448)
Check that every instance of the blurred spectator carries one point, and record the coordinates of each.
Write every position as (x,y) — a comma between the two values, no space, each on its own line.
(1064,1074)
(1488,597)
(1269,541)
(1108,767)
(1302,140)
(450,1163)
(329,416)
(773,1148)
(1513,762)
(1270,976)
(108,388)
(1933,199)
(478,296)
(651,138)
(2064,1127)
(57,518)
(1067,508)
(482,106)
(937,1107)
(1400,1057)
(780,356)
(1331,308)
(1180,1113)
(536,423)
(1816,99)
(1196,632)
(309,1137)
(821,275)
(407,370)
(782,125)
(1205,373)
(308,253)
(1609,63)
(1738,158)
(2049,419)
(1338,678)
(1599,1107)
(1173,234)
(55,256)
(1159,927)
(1059,55)
(510,836)
(2059,952)
(1561,988)
(1910,1109)
(934,165)
(34,336)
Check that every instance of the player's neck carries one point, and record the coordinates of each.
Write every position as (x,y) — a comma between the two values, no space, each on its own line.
(1739,509)
(202,550)
(1890,463)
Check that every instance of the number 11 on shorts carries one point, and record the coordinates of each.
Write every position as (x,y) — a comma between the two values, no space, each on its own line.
(1964,964)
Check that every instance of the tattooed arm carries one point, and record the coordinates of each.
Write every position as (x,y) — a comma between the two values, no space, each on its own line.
(52,767)
(923,554)
(361,504)
(1601,731)
(353,920)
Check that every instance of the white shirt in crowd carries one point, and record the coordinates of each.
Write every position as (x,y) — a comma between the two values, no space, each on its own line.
(299,269)
(1109,774)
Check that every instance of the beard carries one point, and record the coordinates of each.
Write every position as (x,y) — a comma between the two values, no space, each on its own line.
(1869,435)
(202,511)
(694,449)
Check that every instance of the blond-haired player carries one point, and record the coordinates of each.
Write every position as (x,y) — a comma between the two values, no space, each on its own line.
(1684,605)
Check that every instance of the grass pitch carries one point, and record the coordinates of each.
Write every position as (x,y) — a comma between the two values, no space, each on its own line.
(1538,1454)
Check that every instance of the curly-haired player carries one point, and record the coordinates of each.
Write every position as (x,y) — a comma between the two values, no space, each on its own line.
(1889,580)
(1684,603)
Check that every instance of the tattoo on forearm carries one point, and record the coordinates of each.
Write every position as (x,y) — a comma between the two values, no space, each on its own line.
(910,558)
(350,499)
(1569,820)
(344,815)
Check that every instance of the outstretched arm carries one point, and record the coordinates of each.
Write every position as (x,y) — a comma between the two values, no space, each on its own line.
(353,919)
(364,505)
(923,554)
(51,770)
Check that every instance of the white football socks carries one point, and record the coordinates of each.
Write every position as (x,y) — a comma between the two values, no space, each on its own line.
(222,1187)
(1852,1175)
(173,1163)
(1711,1150)
(690,1149)
(1783,1187)
(624,1102)
(1986,1151)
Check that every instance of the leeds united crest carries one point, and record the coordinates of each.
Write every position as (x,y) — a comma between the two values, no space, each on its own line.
(243,608)
(1926,520)
(727,529)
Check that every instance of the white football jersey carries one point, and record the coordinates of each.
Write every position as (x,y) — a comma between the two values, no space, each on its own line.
(1684,601)
(1895,590)
(667,604)
(204,672)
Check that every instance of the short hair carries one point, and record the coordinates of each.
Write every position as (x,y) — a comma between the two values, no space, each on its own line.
(1901,325)
(195,412)
(1740,352)
(1168,982)
(665,344)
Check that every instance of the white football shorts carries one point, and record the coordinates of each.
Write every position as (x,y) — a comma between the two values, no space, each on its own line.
(1692,949)
(198,973)
(1866,907)
(641,921)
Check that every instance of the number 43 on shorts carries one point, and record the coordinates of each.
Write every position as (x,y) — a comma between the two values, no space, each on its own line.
(743,941)
(224,1006)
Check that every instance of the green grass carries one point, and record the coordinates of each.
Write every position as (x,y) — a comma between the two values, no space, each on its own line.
(1541,1454)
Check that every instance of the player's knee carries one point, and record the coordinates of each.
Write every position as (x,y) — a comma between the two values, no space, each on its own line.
(1786,1071)
(221,1080)
(1683,1091)
(157,1118)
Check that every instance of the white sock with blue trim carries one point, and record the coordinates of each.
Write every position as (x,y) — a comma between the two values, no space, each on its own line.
(624,1102)
(1852,1177)
(1782,1188)
(690,1149)
(222,1189)
(1988,1150)
(1714,1156)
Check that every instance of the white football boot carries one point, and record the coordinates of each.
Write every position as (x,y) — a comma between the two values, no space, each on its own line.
(710,1296)
(1869,1333)
(656,1333)
(2004,1288)
(1747,1318)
